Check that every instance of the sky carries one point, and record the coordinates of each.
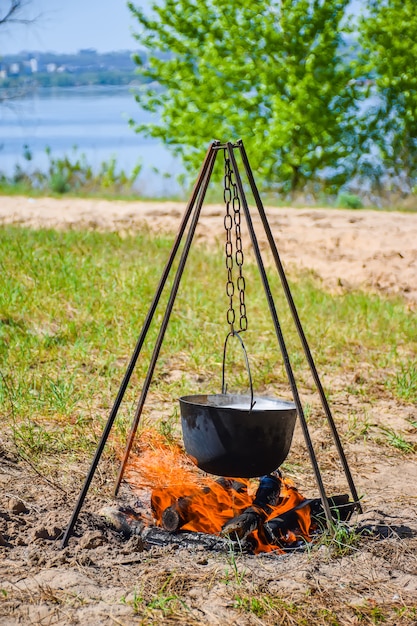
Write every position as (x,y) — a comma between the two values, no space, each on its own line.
(68,25)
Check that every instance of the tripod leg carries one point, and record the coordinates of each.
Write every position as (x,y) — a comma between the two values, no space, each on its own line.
(299,327)
(122,390)
(165,320)
(281,340)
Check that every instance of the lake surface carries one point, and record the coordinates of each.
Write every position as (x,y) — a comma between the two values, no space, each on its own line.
(95,120)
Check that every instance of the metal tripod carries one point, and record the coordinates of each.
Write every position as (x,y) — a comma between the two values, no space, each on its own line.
(192,213)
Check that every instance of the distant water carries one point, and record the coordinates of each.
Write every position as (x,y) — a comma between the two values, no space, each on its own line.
(95,120)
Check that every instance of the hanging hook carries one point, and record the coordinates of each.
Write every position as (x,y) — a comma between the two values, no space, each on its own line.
(224,385)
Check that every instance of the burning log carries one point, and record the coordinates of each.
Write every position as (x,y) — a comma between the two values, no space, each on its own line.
(267,496)
(232,485)
(127,522)
(178,514)
(276,529)
(268,492)
(283,531)
(242,525)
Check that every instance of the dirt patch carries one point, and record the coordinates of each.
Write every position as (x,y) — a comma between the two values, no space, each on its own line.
(348,249)
(104,578)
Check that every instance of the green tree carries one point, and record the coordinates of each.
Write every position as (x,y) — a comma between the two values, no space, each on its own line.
(388,36)
(268,71)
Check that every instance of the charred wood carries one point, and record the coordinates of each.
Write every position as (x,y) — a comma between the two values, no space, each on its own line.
(268,492)
(159,537)
(340,508)
(231,484)
(124,519)
(242,525)
(250,519)
(275,529)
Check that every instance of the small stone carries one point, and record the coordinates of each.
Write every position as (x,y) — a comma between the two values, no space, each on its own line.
(91,539)
(47,532)
(17,507)
(135,544)
(3,542)
(41,533)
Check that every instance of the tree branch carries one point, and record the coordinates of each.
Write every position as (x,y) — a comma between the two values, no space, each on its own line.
(12,13)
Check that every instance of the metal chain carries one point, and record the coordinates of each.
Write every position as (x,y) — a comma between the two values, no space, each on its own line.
(228,224)
(232,202)
(239,258)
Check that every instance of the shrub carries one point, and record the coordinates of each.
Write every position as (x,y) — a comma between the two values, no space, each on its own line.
(349,201)
(71,173)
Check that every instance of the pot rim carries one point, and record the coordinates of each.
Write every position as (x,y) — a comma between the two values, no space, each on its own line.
(261,403)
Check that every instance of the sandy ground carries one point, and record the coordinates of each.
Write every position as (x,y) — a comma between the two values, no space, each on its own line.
(102,578)
(376,250)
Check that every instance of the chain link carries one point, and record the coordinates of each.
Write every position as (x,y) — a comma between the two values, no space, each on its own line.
(232,202)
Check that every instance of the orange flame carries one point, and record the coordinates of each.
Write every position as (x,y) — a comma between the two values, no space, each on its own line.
(204,504)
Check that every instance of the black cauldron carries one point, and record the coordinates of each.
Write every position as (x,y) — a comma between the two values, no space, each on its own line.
(237,435)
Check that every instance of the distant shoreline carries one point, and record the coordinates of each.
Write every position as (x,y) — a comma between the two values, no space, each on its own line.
(49,69)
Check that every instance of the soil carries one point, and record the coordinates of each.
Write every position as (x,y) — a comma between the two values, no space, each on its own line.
(103,577)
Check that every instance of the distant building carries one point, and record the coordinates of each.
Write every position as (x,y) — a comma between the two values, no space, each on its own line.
(33,65)
(14,69)
(51,68)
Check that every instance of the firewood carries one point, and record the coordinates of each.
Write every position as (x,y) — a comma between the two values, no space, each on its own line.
(274,530)
(159,537)
(268,492)
(340,508)
(242,525)
(232,484)
(177,514)
(125,520)
(267,495)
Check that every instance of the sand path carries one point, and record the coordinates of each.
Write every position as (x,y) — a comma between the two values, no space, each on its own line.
(376,250)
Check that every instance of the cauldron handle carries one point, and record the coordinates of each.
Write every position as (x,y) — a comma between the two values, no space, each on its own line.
(224,385)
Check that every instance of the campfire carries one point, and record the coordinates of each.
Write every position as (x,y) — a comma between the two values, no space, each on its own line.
(262,515)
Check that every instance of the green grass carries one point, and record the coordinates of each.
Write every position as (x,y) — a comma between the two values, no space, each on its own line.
(322,610)
(397,440)
(72,305)
(405,382)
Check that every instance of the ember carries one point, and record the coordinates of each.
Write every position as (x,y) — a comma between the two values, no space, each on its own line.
(265,515)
